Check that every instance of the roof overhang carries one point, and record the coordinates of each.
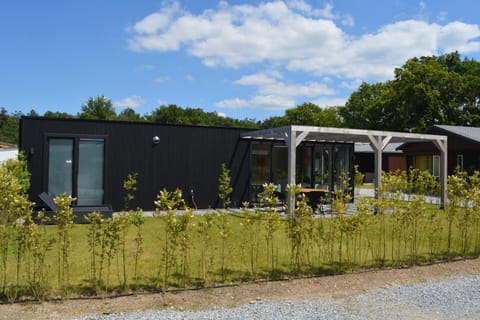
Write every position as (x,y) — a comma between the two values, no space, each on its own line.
(327,134)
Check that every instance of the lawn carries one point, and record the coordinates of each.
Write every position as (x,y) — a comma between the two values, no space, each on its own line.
(214,249)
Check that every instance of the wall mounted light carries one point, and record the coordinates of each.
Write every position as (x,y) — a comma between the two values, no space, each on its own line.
(155,140)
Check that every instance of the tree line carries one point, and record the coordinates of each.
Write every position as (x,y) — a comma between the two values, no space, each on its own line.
(425,91)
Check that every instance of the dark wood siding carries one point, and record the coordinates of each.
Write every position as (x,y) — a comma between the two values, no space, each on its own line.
(187,157)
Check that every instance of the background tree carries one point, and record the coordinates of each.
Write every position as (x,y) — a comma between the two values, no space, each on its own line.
(98,108)
(367,108)
(128,114)
(305,114)
(469,70)
(173,114)
(9,126)
(425,91)
(57,114)
(330,117)
(273,122)
(308,114)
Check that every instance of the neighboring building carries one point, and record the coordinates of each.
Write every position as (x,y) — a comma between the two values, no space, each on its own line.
(392,160)
(463,150)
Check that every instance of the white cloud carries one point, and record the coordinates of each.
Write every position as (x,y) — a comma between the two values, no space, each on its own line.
(299,5)
(294,34)
(129,102)
(162,102)
(330,102)
(348,21)
(422,5)
(442,16)
(352,85)
(235,103)
(458,36)
(157,21)
(265,102)
(233,36)
(294,37)
(374,56)
(268,85)
(162,79)
(145,67)
(189,77)
(274,94)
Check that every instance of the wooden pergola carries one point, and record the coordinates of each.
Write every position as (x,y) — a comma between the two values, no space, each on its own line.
(378,140)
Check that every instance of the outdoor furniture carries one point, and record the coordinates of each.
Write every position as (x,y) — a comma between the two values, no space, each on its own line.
(316,196)
(79,212)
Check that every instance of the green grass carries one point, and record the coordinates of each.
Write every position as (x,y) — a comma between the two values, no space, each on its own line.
(381,240)
(366,186)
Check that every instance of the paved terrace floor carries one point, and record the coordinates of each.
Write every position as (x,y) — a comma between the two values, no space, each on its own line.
(352,209)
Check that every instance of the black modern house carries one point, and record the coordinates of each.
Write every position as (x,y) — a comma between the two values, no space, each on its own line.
(90,159)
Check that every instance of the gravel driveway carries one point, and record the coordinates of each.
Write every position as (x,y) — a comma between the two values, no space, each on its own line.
(437,291)
(455,297)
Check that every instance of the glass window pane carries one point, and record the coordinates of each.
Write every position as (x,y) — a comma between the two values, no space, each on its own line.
(60,154)
(423,163)
(280,166)
(260,164)
(341,166)
(322,167)
(304,166)
(436,166)
(460,161)
(90,172)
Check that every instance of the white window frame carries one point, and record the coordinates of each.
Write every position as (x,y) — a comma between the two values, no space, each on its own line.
(436,166)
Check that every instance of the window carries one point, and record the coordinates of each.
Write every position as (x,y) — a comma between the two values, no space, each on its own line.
(341,165)
(60,171)
(436,166)
(460,161)
(90,172)
(322,161)
(304,166)
(76,167)
(423,163)
(260,163)
(428,163)
(280,166)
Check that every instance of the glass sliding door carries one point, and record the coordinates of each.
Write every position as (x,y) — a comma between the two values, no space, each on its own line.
(60,166)
(304,166)
(342,166)
(76,167)
(322,166)
(90,172)
(260,164)
(280,167)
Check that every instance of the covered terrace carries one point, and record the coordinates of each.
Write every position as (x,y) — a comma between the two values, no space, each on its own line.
(294,135)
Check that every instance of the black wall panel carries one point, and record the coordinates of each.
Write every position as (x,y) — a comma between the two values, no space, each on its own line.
(187,157)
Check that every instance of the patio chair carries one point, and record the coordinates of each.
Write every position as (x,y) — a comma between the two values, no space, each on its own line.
(79,212)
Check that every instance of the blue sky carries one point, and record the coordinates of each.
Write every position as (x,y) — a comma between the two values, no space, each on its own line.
(239,58)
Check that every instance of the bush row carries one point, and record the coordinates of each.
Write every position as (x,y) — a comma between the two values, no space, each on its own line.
(177,249)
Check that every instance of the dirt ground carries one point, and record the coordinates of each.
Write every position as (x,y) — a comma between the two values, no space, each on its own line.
(310,288)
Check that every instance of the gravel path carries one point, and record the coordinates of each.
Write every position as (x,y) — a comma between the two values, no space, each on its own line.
(456,297)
